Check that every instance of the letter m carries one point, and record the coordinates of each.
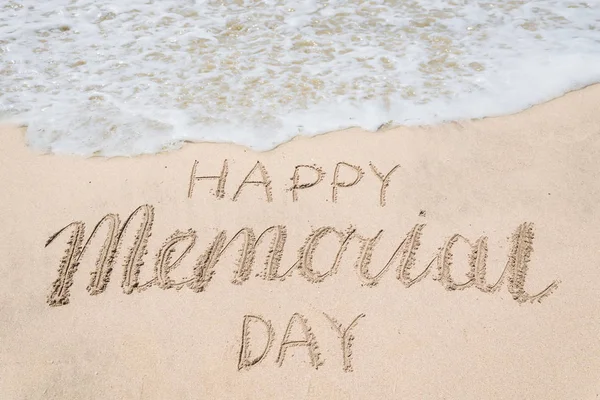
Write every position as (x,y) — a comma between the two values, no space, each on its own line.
(76,248)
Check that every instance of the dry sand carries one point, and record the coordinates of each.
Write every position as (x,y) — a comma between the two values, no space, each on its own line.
(522,191)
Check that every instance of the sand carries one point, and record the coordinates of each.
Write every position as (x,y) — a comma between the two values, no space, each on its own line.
(462,263)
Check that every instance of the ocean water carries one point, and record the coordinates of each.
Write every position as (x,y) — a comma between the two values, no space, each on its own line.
(140,76)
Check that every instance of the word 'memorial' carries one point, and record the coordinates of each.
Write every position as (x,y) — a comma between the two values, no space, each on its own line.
(179,245)
(304,177)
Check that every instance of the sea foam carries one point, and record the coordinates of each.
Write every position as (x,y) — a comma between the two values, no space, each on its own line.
(142,76)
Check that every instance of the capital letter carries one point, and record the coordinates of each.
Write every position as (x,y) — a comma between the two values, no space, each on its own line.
(296,185)
(108,253)
(346,338)
(245,360)
(336,180)
(309,341)
(220,193)
(385,181)
(266,182)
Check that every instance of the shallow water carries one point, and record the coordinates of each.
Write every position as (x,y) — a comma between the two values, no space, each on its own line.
(141,76)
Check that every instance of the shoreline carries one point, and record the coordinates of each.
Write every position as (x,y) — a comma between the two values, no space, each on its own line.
(588,90)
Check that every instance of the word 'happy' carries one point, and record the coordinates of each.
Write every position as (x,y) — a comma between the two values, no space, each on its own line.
(345,175)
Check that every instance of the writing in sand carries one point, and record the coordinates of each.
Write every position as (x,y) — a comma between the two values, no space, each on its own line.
(267,247)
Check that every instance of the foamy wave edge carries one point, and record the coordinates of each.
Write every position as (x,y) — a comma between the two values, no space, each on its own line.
(136,132)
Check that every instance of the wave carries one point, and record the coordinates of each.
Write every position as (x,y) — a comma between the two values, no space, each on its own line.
(144,76)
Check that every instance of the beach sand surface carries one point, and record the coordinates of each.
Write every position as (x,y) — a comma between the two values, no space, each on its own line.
(323,306)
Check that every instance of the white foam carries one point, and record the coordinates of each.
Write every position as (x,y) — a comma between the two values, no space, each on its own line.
(141,76)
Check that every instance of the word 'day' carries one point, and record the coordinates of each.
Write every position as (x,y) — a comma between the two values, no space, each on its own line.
(258,334)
